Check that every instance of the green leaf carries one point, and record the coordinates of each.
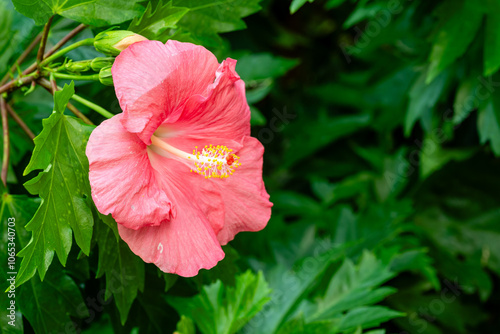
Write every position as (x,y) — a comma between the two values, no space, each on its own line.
(291,284)
(436,158)
(46,305)
(315,134)
(466,99)
(156,24)
(492,43)
(101,13)
(256,117)
(364,11)
(42,10)
(460,20)
(111,223)
(123,269)
(367,317)
(417,261)
(63,186)
(333,3)
(423,99)
(454,315)
(220,309)
(226,270)
(347,303)
(260,66)
(185,326)
(291,203)
(207,18)
(154,305)
(296,4)
(488,125)
(49,305)
(19,208)
(354,286)
(298,325)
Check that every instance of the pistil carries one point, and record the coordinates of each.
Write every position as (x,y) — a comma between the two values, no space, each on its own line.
(211,162)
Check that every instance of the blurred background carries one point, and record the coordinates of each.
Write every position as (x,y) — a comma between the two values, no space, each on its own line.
(381,124)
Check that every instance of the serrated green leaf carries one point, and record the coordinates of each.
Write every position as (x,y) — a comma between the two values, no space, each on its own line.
(354,286)
(42,10)
(156,23)
(347,304)
(46,305)
(99,13)
(290,285)
(207,18)
(220,309)
(460,19)
(49,305)
(123,269)
(19,208)
(63,185)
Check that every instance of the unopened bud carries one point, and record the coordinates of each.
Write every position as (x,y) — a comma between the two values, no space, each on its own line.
(78,66)
(111,43)
(105,76)
(101,62)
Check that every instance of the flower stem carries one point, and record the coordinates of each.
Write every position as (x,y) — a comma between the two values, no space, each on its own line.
(45,35)
(76,77)
(56,47)
(92,106)
(14,84)
(46,84)
(19,121)
(88,41)
(6,143)
(21,58)
(65,39)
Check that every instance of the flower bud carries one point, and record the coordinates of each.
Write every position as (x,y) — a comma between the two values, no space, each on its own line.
(111,43)
(105,76)
(101,62)
(78,66)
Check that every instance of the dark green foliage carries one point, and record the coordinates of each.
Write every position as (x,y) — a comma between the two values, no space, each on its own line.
(381,124)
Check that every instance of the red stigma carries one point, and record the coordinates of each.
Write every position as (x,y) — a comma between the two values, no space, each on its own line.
(230,160)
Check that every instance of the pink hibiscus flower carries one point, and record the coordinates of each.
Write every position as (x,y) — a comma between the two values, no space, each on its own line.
(178,169)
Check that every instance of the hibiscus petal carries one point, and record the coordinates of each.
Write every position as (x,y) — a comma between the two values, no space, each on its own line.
(178,181)
(121,177)
(221,111)
(246,201)
(153,80)
(181,246)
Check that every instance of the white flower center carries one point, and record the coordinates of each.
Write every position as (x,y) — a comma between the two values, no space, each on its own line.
(211,161)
